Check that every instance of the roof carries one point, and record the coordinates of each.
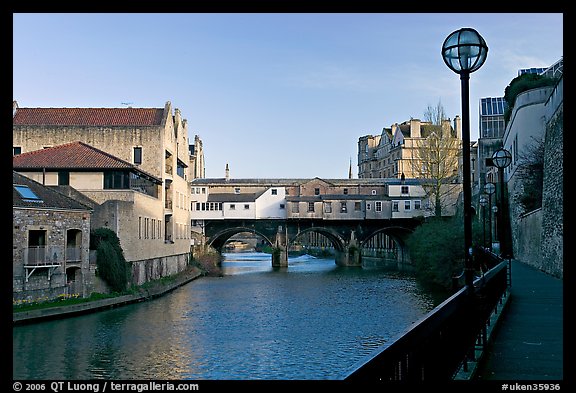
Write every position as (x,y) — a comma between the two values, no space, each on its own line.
(73,155)
(89,116)
(230,197)
(47,197)
(344,182)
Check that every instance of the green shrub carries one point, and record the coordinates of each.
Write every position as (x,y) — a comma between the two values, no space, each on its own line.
(521,84)
(110,262)
(436,248)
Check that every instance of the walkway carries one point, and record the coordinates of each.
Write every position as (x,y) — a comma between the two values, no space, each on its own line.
(528,341)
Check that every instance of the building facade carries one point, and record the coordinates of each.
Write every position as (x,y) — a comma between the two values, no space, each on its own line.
(153,223)
(401,149)
(50,243)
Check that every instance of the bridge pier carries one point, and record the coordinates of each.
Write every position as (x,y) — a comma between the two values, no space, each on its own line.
(280,249)
(350,255)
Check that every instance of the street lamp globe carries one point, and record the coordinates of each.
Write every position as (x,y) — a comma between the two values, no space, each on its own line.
(489,188)
(464,51)
(501,158)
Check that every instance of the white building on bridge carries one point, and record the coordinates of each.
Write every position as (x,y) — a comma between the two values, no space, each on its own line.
(324,199)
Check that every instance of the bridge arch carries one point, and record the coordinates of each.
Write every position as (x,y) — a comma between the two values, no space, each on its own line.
(218,240)
(399,255)
(337,241)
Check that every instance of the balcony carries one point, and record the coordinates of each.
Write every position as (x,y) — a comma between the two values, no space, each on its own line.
(42,257)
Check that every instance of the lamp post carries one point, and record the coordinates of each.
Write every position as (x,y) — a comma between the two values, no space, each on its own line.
(483,203)
(489,189)
(501,159)
(464,51)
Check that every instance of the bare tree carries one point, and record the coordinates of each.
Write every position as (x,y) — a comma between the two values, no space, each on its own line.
(531,174)
(435,114)
(435,158)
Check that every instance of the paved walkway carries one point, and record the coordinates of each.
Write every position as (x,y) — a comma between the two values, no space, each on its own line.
(527,343)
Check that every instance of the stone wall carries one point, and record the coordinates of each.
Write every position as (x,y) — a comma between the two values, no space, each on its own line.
(41,286)
(528,235)
(553,198)
(155,268)
(538,236)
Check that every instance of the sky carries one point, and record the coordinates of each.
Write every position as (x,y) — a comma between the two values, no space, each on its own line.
(274,95)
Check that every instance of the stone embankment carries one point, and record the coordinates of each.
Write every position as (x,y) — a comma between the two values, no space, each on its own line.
(144,293)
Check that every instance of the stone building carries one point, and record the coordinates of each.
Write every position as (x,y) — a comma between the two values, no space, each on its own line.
(50,243)
(537,236)
(399,150)
(147,200)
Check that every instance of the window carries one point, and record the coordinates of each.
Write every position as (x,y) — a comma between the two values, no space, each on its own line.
(237,190)
(232,206)
(316,191)
(357,206)
(16,150)
(246,207)
(343,207)
(310,206)
(27,194)
(407,205)
(378,206)
(404,190)
(295,207)
(373,192)
(394,206)
(417,205)
(138,155)
(368,206)
(63,178)
(345,191)
(274,191)
(282,206)
(115,180)
(327,207)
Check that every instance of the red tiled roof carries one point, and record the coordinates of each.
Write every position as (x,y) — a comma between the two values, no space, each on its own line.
(89,116)
(69,155)
(74,155)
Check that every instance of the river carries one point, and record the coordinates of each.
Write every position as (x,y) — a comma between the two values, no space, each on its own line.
(310,321)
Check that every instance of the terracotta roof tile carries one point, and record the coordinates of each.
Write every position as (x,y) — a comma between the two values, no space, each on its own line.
(69,155)
(74,155)
(89,116)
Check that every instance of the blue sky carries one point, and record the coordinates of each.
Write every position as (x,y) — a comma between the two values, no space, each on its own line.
(274,95)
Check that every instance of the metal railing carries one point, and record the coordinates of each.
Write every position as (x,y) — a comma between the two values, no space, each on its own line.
(42,256)
(73,254)
(435,348)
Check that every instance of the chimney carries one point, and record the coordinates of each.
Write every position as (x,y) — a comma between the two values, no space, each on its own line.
(446,129)
(458,127)
(415,128)
(227,177)
(350,169)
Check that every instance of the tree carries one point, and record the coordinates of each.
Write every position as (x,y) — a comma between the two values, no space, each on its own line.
(436,157)
(531,174)
(110,262)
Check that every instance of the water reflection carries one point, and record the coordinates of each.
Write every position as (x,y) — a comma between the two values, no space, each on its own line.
(311,320)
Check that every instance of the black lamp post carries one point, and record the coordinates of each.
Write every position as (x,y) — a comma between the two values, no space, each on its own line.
(489,189)
(464,51)
(483,203)
(501,159)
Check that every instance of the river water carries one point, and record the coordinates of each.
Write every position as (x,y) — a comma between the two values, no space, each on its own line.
(312,320)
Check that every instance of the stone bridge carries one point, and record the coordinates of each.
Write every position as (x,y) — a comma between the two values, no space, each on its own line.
(348,237)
